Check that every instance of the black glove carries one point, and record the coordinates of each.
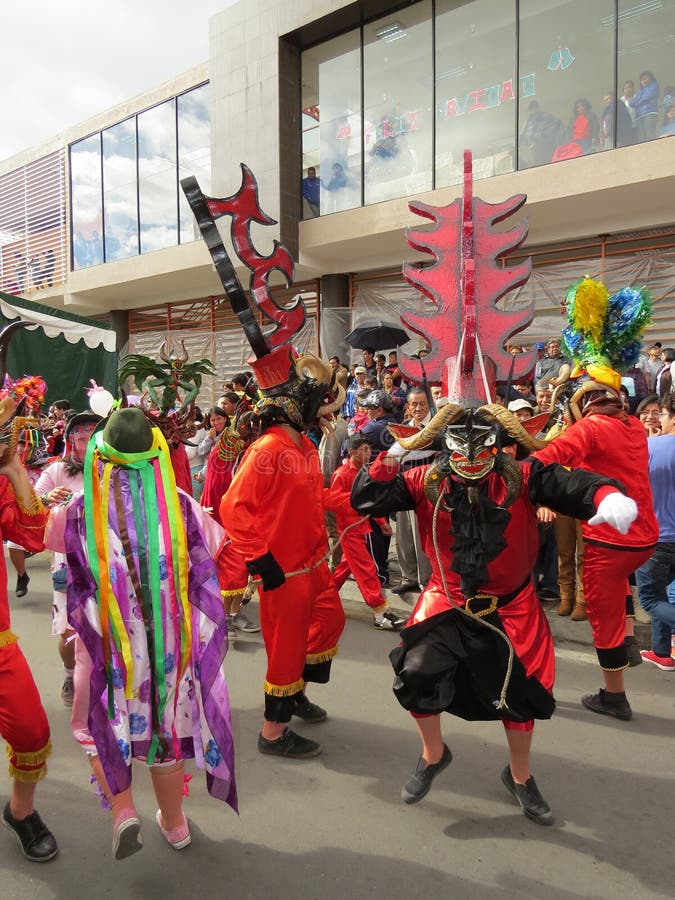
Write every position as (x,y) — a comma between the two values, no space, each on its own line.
(270,571)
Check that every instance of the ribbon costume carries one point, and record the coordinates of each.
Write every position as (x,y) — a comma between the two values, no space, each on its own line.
(143,598)
(23,722)
(273,511)
(477,644)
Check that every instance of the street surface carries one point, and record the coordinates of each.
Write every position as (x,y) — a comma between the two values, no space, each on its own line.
(334,827)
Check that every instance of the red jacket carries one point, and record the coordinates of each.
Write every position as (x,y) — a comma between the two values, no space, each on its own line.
(276,502)
(341,483)
(617,448)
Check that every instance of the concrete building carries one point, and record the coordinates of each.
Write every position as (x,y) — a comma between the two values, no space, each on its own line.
(380,98)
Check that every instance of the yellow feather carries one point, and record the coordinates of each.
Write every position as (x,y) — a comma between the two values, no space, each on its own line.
(590,307)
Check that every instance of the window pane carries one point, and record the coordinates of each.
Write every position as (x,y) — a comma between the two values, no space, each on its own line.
(475,88)
(331,126)
(567,74)
(397,104)
(120,207)
(85,190)
(194,152)
(646,70)
(157,177)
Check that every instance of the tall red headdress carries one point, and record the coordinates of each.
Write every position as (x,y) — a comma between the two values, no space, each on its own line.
(468,332)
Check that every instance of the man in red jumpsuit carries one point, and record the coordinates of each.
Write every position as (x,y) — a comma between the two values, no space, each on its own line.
(605,439)
(476,514)
(354,530)
(273,513)
(23,722)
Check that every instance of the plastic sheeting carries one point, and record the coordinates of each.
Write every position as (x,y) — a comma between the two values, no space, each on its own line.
(227,349)
(387,296)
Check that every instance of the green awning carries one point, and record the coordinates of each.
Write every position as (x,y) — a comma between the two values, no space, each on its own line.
(65,349)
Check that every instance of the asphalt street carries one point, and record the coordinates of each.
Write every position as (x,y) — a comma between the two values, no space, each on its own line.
(334,827)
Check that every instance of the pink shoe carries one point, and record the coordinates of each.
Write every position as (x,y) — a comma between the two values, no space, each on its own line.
(127,837)
(667,663)
(178,837)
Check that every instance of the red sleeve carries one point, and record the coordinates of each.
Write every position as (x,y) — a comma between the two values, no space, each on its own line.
(603,492)
(381,470)
(337,501)
(570,448)
(26,529)
(244,503)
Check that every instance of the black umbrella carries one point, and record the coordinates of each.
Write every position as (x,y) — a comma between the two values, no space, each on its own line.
(380,335)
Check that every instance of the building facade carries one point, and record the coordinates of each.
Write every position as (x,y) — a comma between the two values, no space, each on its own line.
(571,102)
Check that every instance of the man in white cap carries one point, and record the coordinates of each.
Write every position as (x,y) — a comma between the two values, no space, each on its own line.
(521,408)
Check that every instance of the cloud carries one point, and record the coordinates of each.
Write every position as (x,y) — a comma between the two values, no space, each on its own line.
(67,62)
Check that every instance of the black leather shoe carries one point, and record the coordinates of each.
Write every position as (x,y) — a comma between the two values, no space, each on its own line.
(406,587)
(22,585)
(419,783)
(533,804)
(607,704)
(37,841)
(309,712)
(290,745)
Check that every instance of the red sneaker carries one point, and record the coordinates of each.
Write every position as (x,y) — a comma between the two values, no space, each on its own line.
(667,663)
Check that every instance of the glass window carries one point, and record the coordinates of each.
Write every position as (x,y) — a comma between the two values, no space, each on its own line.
(85,186)
(645,70)
(194,152)
(331,126)
(475,88)
(120,202)
(397,123)
(157,185)
(566,80)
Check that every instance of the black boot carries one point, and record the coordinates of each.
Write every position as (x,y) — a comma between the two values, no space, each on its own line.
(633,651)
(609,704)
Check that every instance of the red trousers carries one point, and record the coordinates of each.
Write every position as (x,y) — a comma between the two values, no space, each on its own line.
(301,624)
(23,721)
(606,571)
(356,559)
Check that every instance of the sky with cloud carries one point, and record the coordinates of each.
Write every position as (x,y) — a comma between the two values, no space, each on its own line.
(64,62)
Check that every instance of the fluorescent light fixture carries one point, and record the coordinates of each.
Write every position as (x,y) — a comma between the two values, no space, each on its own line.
(453,72)
(632,12)
(394,31)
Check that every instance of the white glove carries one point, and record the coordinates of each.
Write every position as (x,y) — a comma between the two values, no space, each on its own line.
(617,510)
(396,451)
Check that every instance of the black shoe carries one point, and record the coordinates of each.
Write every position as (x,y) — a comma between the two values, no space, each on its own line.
(608,704)
(406,587)
(308,711)
(22,585)
(290,745)
(389,621)
(419,784)
(37,841)
(533,804)
(633,651)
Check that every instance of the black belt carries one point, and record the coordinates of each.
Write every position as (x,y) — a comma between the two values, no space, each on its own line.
(482,603)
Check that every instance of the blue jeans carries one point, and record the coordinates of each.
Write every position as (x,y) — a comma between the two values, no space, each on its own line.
(652,580)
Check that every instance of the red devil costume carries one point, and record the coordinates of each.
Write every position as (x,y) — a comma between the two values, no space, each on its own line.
(273,511)
(603,336)
(23,722)
(477,644)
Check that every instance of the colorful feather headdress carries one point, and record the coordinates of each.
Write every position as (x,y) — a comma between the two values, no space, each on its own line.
(604,332)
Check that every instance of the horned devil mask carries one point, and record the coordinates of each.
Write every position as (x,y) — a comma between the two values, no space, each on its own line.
(470,448)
